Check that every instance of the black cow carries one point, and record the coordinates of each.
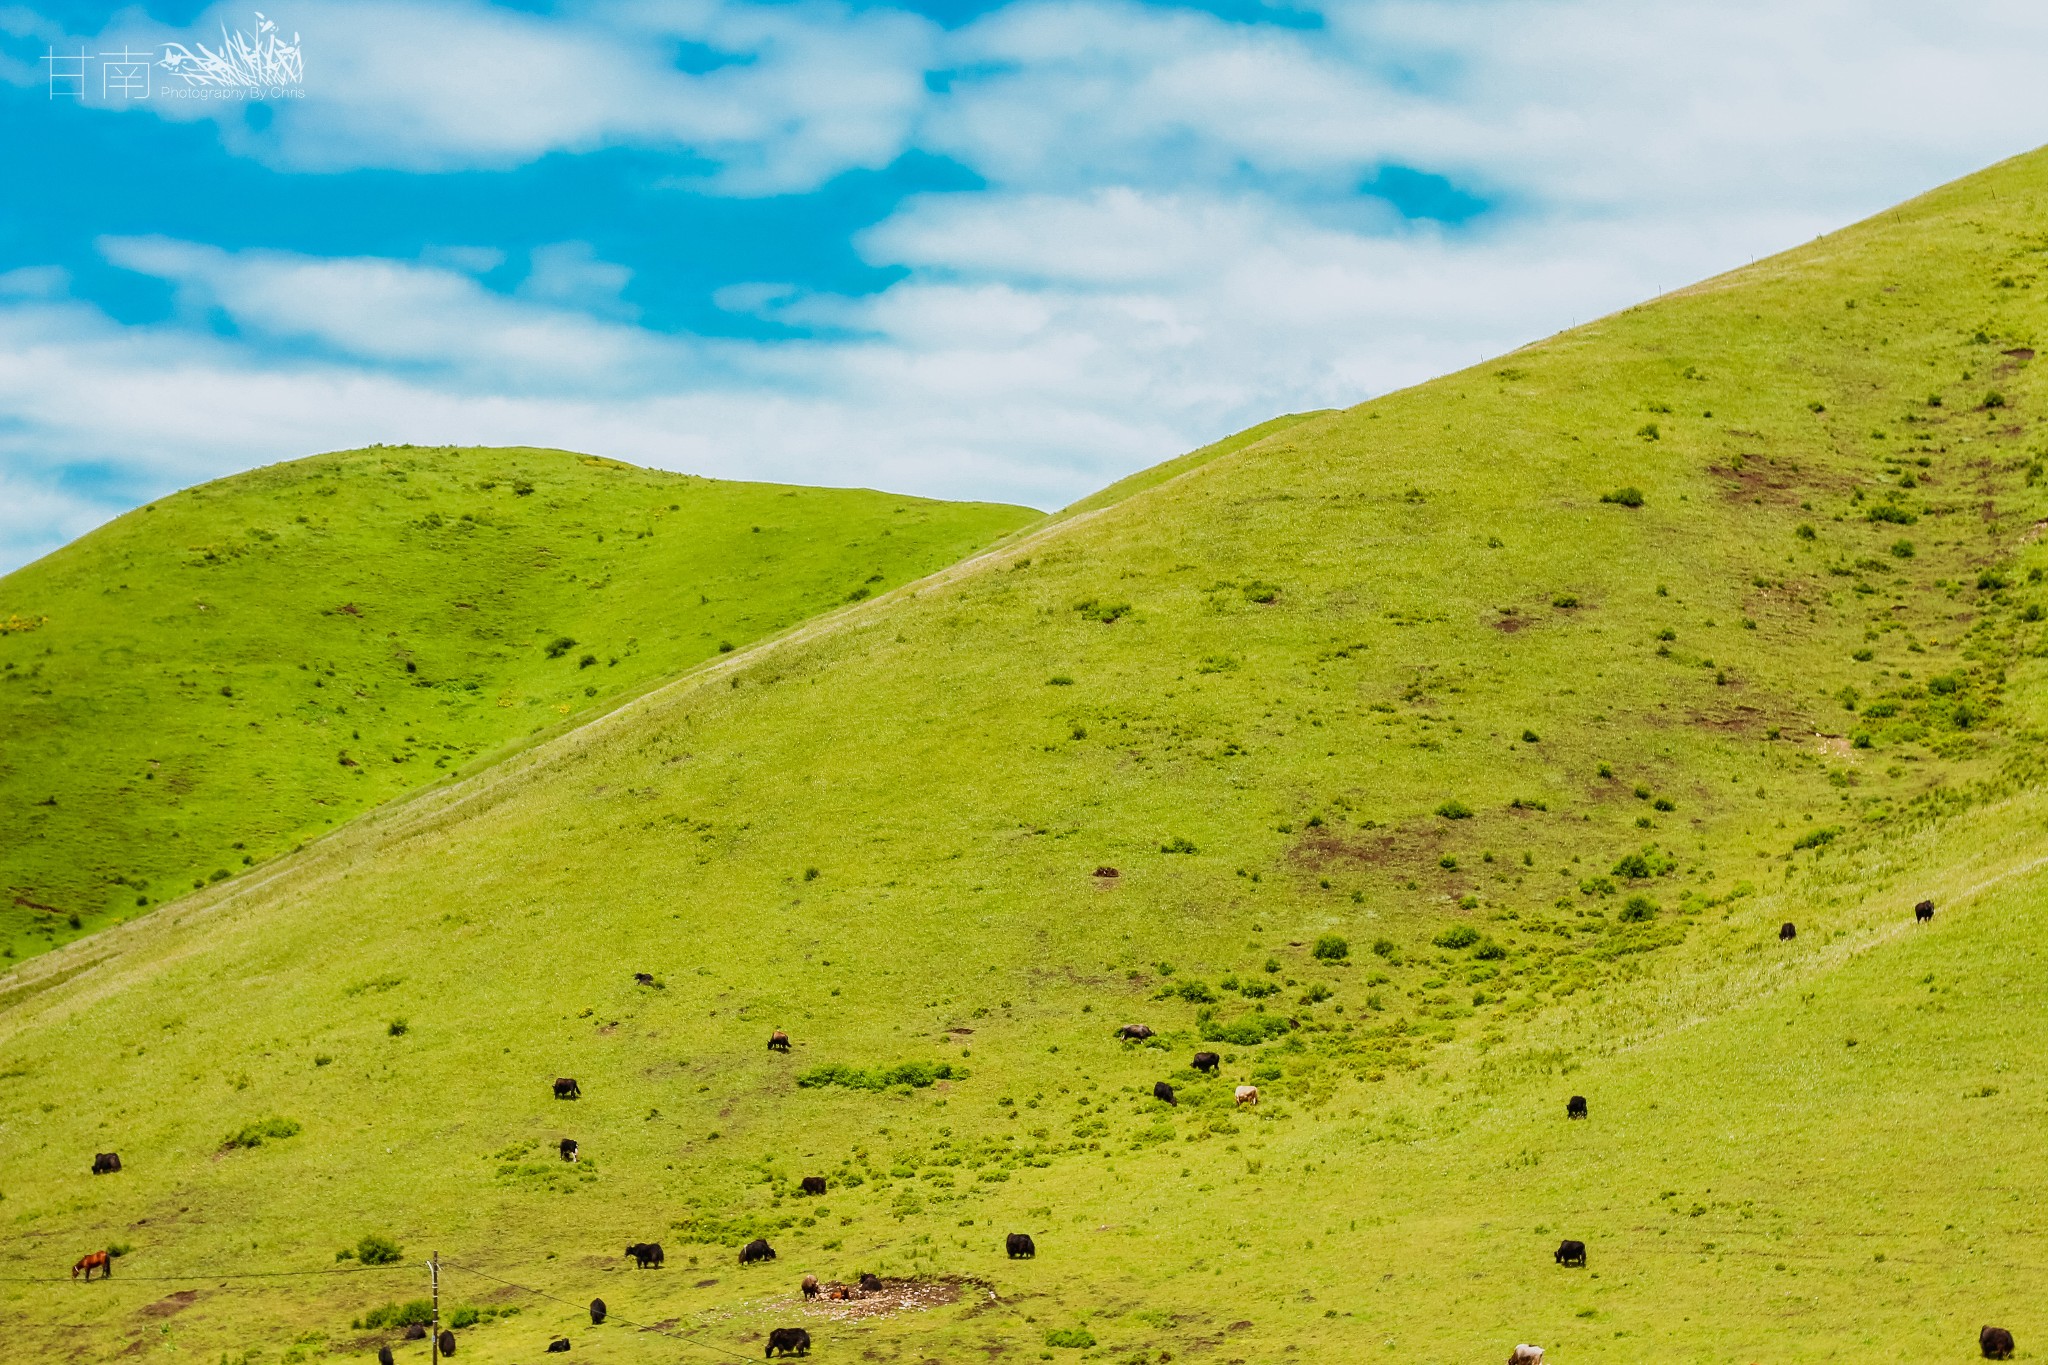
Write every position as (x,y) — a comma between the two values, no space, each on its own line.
(647,1254)
(1162,1091)
(447,1343)
(558,1344)
(1207,1061)
(1571,1253)
(597,1312)
(567,1089)
(1923,912)
(812,1184)
(778,1041)
(1134,1032)
(1786,932)
(1019,1244)
(384,1356)
(756,1250)
(569,1149)
(1995,1343)
(1575,1107)
(106,1163)
(870,1283)
(790,1341)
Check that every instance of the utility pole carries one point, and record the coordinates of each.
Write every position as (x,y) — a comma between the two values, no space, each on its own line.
(434,1337)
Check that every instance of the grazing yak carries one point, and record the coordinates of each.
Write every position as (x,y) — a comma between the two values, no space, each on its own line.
(384,1356)
(1995,1343)
(1575,1107)
(810,1286)
(1923,912)
(1570,1252)
(643,978)
(790,1341)
(871,1283)
(1107,871)
(778,1041)
(446,1342)
(1248,1094)
(812,1184)
(597,1312)
(558,1344)
(1787,932)
(415,1331)
(1136,1033)
(1020,1245)
(1162,1091)
(106,1163)
(646,1254)
(569,1149)
(1207,1061)
(567,1089)
(91,1261)
(756,1250)
(1526,1355)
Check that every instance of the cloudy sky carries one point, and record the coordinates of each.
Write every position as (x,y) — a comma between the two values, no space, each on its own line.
(1005,249)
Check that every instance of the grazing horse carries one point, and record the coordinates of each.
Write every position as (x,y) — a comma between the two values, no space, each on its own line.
(1020,1245)
(810,1286)
(778,1041)
(756,1250)
(790,1341)
(91,1261)
(567,1089)
(1207,1061)
(106,1163)
(1248,1094)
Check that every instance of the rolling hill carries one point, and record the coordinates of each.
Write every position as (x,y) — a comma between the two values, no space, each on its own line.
(1431,761)
(212,679)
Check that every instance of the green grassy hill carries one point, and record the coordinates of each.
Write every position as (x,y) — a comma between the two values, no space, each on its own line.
(1456,753)
(208,681)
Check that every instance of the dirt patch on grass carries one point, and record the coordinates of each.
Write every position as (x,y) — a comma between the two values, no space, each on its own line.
(1508,625)
(169,1304)
(901,1296)
(1382,848)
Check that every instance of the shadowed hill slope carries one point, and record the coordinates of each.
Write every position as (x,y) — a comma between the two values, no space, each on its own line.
(209,680)
(1454,754)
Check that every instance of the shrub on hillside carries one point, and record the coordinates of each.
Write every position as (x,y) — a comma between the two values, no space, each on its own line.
(1637,909)
(1634,866)
(253,1135)
(1107,613)
(918,1075)
(1892,513)
(1457,936)
(1489,951)
(1178,844)
(416,1312)
(1624,497)
(1246,1031)
(1259,990)
(1454,809)
(1316,994)
(377,1249)
(1331,948)
(1816,838)
(1383,947)
(1074,1338)
(1193,991)
(559,646)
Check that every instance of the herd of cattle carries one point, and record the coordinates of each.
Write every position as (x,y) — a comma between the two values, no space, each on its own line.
(1996,1343)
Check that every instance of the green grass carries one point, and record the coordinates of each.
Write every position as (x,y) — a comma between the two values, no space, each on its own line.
(208,681)
(1397,675)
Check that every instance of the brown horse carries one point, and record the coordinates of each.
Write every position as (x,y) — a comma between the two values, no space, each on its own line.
(91,1261)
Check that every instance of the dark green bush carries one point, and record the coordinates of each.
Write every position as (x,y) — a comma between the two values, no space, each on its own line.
(1193,991)
(1248,1030)
(914,1074)
(1633,866)
(1178,844)
(254,1134)
(1259,990)
(417,1311)
(1991,580)
(1637,909)
(1892,513)
(1316,994)
(1815,838)
(1077,1338)
(1804,531)
(377,1249)
(1256,591)
(1564,601)
(1383,947)
(1489,951)
(559,646)
(1663,803)
(1108,614)
(1457,936)
(1331,948)
(1454,810)
(1624,497)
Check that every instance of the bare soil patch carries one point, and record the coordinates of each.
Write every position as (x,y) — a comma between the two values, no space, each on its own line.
(900,1296)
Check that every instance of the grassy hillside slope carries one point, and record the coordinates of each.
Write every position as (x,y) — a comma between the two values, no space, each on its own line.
(211,679)
(1553,759)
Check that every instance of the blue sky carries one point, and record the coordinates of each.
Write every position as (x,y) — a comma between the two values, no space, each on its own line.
(971,249)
